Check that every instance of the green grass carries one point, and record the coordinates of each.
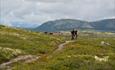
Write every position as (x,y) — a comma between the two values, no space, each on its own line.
(29,42)
(78,55)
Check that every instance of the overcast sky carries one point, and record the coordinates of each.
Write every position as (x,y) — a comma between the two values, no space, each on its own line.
(39,11)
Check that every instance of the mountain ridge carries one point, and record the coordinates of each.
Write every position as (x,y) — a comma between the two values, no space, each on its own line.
(69,24)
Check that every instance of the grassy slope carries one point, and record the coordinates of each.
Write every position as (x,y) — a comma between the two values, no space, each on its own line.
(78,55)
(26,41)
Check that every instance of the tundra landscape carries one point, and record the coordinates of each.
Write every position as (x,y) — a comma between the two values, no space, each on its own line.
(57,34)
(27,50)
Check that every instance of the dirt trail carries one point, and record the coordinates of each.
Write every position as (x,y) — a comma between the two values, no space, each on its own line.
(24,58)
(61,46)
(29,58)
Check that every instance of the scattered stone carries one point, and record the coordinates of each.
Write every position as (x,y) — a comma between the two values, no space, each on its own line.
(12,51)
(69,56)
(104,59)
(103,43)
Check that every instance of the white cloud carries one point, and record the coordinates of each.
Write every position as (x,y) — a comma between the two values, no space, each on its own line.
(39,11)
(51,1)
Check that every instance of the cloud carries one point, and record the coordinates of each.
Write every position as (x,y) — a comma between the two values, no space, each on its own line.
(39,11)
(51,1)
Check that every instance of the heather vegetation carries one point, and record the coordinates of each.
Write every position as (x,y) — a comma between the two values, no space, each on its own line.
(26,41)
(88,52)
(91,51)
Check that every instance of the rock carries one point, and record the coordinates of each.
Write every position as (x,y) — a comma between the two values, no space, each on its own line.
(69,56)
(104,59)
(103,43)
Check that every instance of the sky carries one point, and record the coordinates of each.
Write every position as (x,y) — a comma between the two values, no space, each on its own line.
(40,11)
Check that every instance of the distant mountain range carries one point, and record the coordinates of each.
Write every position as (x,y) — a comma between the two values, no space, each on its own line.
(69,24)
(24,25)
(21,24)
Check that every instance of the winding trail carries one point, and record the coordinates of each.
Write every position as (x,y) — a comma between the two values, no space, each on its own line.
(29,58)
(24,58)
(61,46)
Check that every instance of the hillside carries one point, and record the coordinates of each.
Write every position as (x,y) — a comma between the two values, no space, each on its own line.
(105,25)
(69,24)
(63,24)
(14,42)
(91,51)
(85,53)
